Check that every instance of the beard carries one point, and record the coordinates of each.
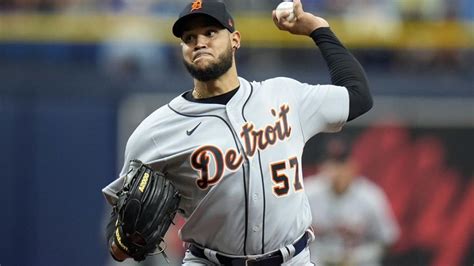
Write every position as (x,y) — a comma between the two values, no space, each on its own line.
(214,70)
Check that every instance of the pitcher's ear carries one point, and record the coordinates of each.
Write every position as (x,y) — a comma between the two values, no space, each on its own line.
(235,40)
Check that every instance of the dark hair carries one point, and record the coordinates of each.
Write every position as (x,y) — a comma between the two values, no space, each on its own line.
(337,149)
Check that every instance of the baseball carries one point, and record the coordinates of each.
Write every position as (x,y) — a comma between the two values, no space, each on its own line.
(285,7)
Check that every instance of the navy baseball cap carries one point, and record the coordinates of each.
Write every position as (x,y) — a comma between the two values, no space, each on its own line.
(338,149)
(212,8)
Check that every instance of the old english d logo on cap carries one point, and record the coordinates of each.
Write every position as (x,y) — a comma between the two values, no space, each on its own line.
(197,4)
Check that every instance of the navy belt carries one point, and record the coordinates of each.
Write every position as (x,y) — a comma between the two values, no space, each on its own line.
(272,259)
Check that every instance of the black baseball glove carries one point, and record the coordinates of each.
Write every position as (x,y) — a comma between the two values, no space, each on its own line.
(145,209)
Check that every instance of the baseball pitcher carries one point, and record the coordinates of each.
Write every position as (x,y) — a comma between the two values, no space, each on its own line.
(232,147)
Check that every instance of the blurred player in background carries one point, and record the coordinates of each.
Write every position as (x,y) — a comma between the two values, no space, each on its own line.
(352,218)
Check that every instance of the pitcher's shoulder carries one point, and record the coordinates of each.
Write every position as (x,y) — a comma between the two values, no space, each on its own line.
(280,81)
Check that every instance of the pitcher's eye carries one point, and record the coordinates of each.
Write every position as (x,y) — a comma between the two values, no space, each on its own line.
(188,38)
(211,33)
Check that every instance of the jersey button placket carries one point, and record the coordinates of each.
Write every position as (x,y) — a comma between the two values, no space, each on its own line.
(255,202)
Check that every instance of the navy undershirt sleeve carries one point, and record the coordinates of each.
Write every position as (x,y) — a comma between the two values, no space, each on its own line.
(345,71)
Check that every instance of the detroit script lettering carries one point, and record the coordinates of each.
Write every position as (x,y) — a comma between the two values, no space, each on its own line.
(253,139)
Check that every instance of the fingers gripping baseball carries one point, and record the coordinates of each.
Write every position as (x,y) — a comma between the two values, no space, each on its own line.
(303,23)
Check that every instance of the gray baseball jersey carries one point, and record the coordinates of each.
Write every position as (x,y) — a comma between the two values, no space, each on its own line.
(354,226)
(238,166)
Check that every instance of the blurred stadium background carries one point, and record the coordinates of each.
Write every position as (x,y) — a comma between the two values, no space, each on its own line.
(78,75)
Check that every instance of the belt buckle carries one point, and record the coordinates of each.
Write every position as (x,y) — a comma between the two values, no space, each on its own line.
(255,261)
(251,261)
